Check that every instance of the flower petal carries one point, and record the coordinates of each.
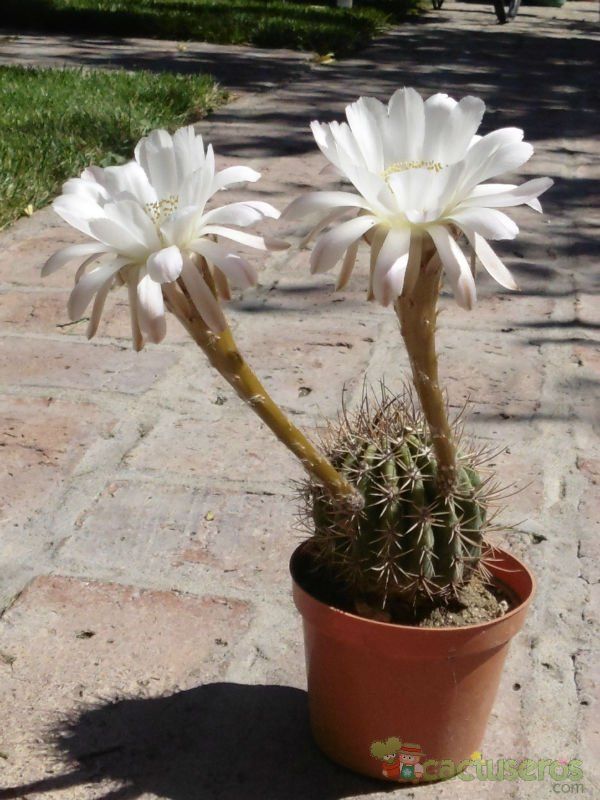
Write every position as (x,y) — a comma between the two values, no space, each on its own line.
(118,238)
(247,239)
(239,271)
(87,186)
(242,214)
(97,309)
(500,151)
(207,305)
(374,189)
(455,265)
(347,266)
(490,260)
(460,127)
(232,175)
(165,265)
(488,222)
(322,201)
(346,147)
(188,150)
(388,275)
(155,154)
(73,251)
(136,333)
(404,137)
(151,310)
(321,225)
(182,226)
(89,284)
(364,117)
(325,141)
(332,245)
(499,195)
(266,209)
(127,178)
(438,109)
(77,210)
(418,193)
(196,188)
(136,222)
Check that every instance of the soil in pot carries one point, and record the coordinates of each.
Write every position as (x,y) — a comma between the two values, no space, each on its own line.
(477,601)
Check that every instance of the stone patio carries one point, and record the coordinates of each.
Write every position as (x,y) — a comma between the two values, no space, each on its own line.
(148,642)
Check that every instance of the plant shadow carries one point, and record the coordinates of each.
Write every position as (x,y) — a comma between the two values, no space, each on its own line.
(220,740)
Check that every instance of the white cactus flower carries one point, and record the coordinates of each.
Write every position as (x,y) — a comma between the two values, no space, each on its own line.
(419,170)
(147,220)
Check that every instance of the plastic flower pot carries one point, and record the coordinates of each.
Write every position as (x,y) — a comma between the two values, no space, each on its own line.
(430,688)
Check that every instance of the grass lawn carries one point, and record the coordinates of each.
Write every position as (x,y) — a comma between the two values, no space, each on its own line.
(56,122)
(298,24)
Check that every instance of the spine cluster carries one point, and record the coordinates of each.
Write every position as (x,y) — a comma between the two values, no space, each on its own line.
(412,539)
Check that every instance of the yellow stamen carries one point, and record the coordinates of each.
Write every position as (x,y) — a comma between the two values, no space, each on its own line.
(161,209)
(403,166)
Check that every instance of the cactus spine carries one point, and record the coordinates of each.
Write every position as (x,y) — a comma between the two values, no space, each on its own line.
(410,541)
(420,534)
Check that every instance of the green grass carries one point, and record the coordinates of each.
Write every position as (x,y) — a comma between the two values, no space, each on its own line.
(298,24)
(56,122)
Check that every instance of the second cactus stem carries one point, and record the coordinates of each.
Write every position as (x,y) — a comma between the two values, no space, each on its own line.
(417,314)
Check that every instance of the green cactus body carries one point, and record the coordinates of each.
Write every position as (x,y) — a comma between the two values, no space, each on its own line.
(410,541)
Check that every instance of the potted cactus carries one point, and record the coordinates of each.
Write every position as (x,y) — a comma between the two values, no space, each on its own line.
(399,685)
(385,659)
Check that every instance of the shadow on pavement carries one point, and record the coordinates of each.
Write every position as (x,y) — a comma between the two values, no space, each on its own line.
(235,68)
(222,740)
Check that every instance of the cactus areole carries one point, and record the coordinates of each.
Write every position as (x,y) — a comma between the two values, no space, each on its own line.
(417,538)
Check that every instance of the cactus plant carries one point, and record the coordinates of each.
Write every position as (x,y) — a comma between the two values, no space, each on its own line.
(410,541)
(418,173)
(399,509)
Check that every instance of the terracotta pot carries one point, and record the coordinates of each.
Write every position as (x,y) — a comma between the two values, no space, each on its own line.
(432,688)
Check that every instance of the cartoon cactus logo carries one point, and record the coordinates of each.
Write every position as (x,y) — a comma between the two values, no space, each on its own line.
(400,759)
(387,751)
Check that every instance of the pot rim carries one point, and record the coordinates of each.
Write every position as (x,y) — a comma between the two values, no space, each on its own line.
(525,598)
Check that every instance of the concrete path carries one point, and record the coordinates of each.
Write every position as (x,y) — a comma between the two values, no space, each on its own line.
(239,68)
(148,646)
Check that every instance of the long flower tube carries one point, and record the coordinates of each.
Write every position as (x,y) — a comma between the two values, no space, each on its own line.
(224,355)
(150,226)
(417,314)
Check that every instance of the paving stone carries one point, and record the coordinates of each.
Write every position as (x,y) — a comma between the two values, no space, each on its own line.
(42,441)
(185,449)
(587,311)
(169,535)
(191,449)
(242,69)
(71,645)
(22,260)
(45,312)
(50,364)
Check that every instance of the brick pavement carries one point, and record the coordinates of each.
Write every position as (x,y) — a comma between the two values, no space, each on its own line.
(148,645)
